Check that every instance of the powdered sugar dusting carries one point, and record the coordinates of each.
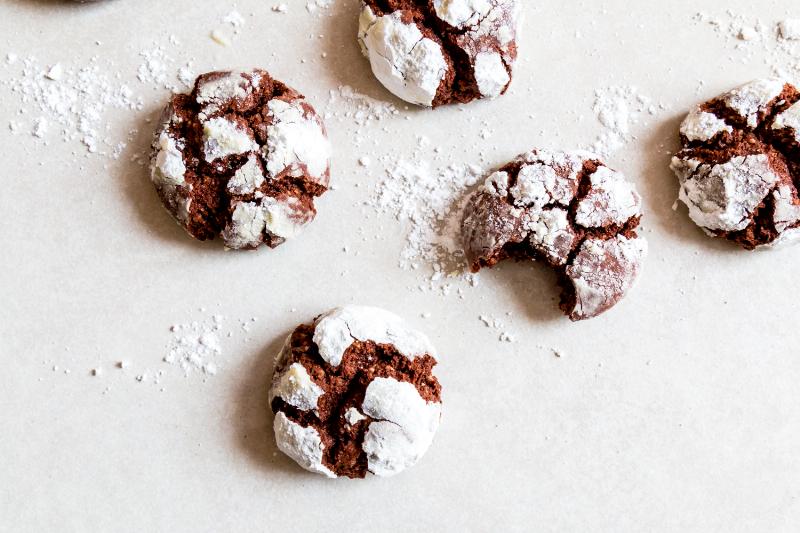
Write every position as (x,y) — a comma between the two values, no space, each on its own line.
(618,109)
(403,425)
(76,102)
(773,43)
(430,203)
(336,330)
(195,346)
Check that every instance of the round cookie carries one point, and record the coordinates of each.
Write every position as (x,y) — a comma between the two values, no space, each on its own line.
(354,393)
(568,210)
(436,52)
(242,156)
(739,168)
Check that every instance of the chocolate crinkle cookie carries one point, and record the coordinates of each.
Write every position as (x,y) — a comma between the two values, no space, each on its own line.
(568,210)
(354,393)
(435,52)
(739,168)
(243,156)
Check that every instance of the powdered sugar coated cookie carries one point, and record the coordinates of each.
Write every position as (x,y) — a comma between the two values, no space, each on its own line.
(739,162)
(439,52)
(354,393)
(242,157)
(568,210)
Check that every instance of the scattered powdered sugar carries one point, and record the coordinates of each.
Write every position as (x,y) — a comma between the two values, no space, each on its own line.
(776,43)
(618,109)
(430,202)
(195,346)
(314,6)
(498,326)
(153,68)
(347,104)
(80,101)
(158,69)
(235,21)
(72,101)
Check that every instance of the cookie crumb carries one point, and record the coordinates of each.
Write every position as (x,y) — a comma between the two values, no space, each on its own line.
(748,33)
(789,29)
(55,73)
(219,37)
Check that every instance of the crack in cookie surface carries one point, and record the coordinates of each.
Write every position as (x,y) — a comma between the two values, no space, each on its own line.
(568,210)
(739,168)
(243,156)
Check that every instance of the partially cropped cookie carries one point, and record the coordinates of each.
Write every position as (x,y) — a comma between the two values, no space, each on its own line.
(436,52)
(568,210)
(739,168)
(242,157)
(354,393)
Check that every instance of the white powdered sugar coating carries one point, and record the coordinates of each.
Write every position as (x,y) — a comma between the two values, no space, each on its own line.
(407,63)
(294,138)
(184,204)
(787,208)
(788,238)
(169,168)
(296,388)
(751,100)
(248,178)
(551,178)
(246,227)
(489,27)
(213,94)
(611,200)
(701,125)
(403,428)
(548,178)
(462,13)
(353,416)
(284,218)
(535,186)
(304,445)
(222,137)
(168,172)
(491,74)
(724,197)
(497,183)
(789,119)
(602,270)
(552,233)
(336,330)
